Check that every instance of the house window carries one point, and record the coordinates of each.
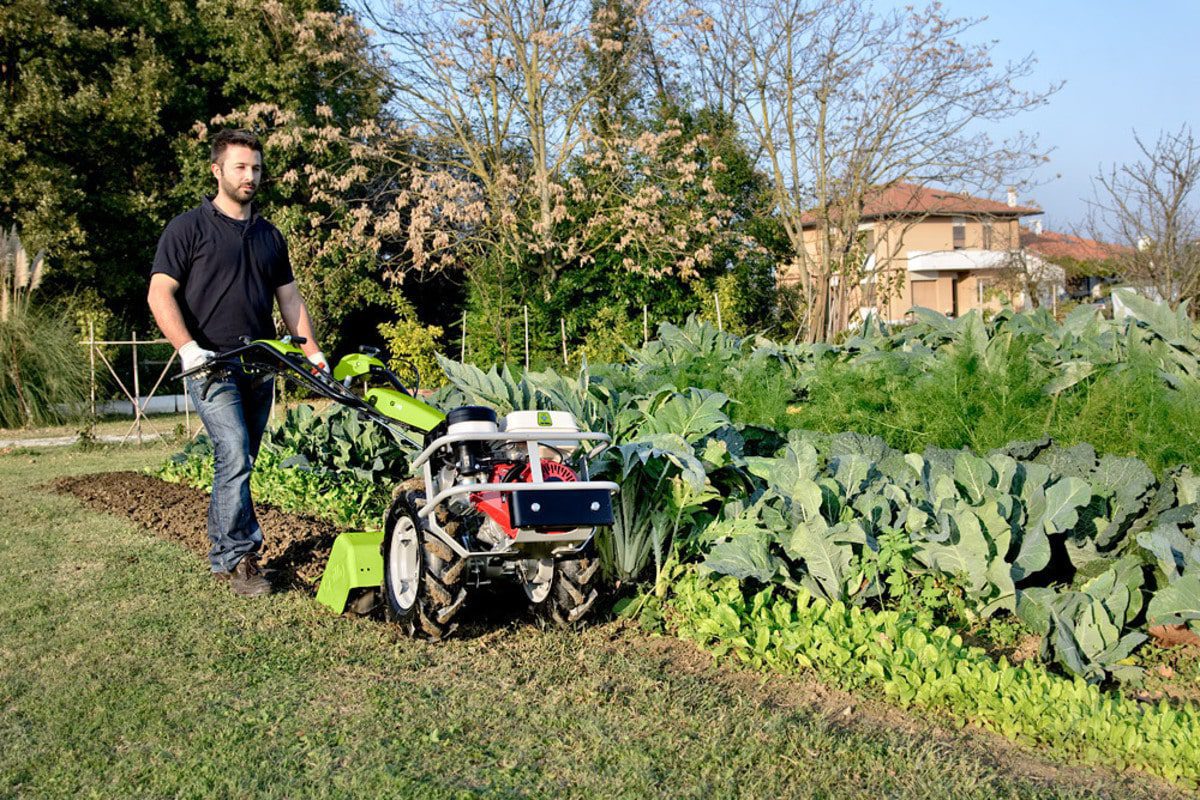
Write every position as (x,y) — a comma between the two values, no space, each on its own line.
(960,233)
(987,234)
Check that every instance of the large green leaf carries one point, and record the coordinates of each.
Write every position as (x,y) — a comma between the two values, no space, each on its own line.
(944,493)
(1171,325)
(997,527)
(1086,628)
(934,320)
(851,473)
(1005,468)
(1187,485)
(1070,374)
(669,448)
(1126,482)
(594,402)
(849,443)
(1176,603)
(798,463)
(974,475)
(744,556)
(827,554)
(497,389)
(1076,461)
(1063,501)
(691,415)
(965,555)
(1033,607)
(1175,553)
(1054,512)
(1002,594)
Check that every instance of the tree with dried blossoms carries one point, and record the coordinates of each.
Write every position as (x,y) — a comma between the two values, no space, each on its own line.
(513,181)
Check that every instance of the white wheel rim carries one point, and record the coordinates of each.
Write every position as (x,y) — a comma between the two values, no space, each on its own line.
(537,577)
(404,563)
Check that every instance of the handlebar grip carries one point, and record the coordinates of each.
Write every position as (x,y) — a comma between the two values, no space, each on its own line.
(187,373)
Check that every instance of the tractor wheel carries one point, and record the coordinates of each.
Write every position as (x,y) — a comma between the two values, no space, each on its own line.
(573,594)
(424,581)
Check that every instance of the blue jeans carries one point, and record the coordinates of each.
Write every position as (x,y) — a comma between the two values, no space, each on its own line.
(235,415)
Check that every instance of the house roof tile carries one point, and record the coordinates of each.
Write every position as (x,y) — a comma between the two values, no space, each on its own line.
(1052,245)
(909,199)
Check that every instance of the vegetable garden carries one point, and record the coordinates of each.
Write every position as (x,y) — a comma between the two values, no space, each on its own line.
(751,522)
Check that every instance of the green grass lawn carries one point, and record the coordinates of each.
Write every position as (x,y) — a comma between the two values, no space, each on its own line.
(125,671)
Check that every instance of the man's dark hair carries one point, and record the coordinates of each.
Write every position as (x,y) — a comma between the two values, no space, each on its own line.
(233,136)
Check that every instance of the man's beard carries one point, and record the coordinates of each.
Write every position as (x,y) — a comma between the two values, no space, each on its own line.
(242,194)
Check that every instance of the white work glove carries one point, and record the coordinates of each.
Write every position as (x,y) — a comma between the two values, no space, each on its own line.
(318,360)
(193,355)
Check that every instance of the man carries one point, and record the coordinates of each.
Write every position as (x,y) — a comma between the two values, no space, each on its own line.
(217,273)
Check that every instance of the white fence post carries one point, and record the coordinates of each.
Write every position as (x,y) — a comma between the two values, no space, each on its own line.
(137,392)
(92,363)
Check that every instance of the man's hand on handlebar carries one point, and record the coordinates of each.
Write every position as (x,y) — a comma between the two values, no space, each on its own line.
(319,361)
(192,355)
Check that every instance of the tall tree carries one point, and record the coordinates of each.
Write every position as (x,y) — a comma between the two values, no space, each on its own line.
(840,100)
(1149,209)
(99,101)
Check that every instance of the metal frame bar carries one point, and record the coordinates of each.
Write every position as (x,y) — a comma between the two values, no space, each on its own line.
(540,486)
(541,437)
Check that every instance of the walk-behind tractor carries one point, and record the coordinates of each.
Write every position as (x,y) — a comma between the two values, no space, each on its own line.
(493,498)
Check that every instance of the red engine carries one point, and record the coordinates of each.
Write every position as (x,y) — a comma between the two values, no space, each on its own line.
(495,504)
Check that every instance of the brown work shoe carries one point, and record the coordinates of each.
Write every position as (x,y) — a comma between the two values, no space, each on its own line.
(246,579)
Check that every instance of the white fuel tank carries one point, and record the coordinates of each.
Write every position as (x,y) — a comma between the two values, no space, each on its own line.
(543,422)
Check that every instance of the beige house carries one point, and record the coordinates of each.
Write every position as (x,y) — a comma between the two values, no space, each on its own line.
(942,250)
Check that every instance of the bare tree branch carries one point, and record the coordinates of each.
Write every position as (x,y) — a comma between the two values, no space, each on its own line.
(1148,209)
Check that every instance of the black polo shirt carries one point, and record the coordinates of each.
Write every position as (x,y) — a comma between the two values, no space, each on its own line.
(228,271)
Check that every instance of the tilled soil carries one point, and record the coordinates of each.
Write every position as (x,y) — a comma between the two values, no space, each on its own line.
(295,547)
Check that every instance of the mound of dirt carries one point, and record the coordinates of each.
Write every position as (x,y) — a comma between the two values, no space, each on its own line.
(296,547)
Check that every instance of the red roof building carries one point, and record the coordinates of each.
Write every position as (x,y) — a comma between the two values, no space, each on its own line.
(939,249)
(910,200)
(1054,246)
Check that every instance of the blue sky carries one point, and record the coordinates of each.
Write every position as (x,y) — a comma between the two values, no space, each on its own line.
(1126,65)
